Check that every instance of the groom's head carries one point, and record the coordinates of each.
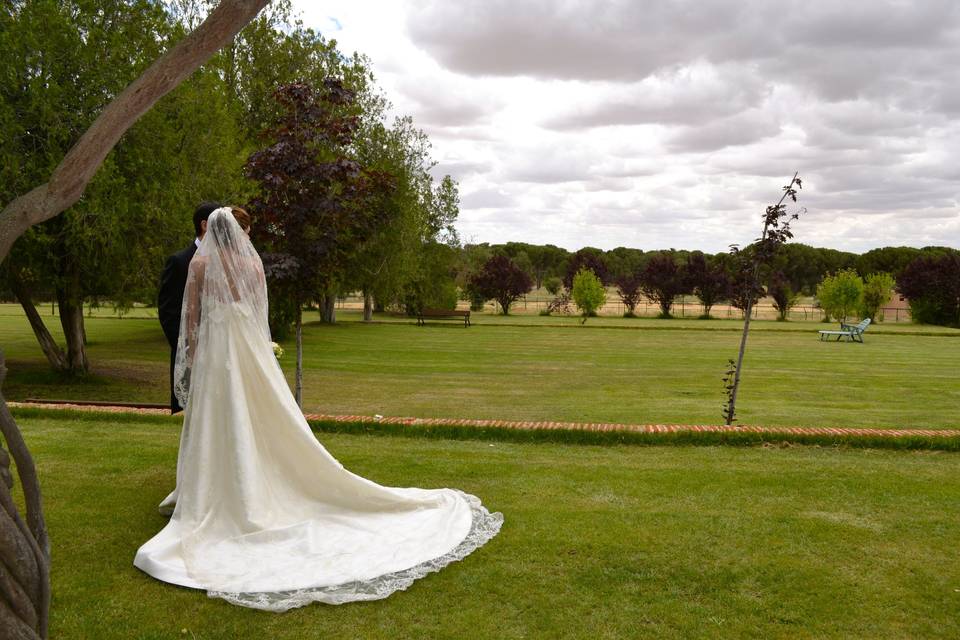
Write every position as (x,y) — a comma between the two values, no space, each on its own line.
(200,216)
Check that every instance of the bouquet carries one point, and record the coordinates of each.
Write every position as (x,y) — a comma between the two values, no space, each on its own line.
(277,350)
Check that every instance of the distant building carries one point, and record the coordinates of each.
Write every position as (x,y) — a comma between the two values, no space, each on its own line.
(897,310)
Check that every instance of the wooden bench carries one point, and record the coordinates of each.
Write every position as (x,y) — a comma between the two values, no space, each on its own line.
(852,332)
(443,314)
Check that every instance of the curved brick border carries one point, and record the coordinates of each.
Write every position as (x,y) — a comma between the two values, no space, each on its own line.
(845,432)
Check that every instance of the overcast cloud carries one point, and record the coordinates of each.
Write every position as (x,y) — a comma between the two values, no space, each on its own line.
(672,123)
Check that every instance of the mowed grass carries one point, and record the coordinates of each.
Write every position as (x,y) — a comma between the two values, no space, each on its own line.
(599,542)
(615,370)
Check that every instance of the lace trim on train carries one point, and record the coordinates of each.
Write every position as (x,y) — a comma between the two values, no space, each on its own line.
(485,526)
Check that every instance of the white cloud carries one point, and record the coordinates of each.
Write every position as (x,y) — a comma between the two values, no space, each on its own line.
(672,124)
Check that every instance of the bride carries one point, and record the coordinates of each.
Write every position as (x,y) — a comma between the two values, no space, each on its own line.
(264,517)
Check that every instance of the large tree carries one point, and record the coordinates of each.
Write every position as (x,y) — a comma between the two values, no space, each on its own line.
(707,279)
(662,280)
(932,287)
(315,205)
(502,280)
(393,261)
(24,550)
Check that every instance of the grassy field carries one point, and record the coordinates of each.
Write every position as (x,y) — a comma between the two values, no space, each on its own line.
(599,542)
(664,371)
(611,370)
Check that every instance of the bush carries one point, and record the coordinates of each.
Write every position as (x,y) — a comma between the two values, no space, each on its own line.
(588,293)
(877,291)
(553,285)
(841,294)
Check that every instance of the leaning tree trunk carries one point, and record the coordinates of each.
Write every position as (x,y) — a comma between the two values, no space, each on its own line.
(48,345)
(24,551)
(367,306)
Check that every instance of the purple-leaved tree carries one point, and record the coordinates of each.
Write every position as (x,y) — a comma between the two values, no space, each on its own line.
(776,231)
(315,204)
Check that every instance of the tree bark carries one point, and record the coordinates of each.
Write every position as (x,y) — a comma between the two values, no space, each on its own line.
(48,345)
(328,308)
(24,546)
(298,384)
(70,301)
(367,306)
(66,185)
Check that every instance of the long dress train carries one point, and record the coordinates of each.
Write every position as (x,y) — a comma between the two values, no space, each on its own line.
(264,516)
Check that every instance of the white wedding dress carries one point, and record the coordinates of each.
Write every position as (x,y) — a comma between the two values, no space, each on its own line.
(264,517)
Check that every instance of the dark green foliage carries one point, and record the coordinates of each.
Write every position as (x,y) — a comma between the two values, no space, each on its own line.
(707,278)
(782,293)
(586,258)
(553,285)
(932,286)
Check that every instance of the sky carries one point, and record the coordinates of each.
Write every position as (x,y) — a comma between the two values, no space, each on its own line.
(673,123)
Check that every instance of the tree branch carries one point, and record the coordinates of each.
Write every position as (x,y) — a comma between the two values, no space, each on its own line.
(70,178)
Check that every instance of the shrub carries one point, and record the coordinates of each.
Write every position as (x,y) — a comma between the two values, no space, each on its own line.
(877,291)
(588,293)
(841,294)
(553,285)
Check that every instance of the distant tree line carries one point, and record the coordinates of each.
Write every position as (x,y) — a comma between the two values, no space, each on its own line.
(929,277)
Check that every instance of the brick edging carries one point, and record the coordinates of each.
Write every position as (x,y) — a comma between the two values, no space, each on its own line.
(845,432)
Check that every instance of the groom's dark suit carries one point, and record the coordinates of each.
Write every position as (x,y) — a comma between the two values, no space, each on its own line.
(169,304)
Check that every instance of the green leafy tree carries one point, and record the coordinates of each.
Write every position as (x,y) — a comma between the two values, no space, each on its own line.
(877,291)
(588,293)
(841,294)
(707,279)
(386,266)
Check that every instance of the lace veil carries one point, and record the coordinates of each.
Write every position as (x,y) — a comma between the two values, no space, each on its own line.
(225,276)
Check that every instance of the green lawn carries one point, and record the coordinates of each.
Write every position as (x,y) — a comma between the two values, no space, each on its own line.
(599,542)
(646,371)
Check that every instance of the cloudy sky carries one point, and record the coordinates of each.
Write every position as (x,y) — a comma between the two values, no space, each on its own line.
(672,123)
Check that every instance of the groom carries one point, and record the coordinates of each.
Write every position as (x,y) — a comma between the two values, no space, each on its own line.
(172,283)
